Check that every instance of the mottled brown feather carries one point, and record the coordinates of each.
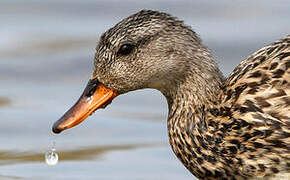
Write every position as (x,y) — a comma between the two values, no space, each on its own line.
(246,135)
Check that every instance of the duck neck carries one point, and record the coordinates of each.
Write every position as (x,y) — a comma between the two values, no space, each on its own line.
(189,103)
(198,90)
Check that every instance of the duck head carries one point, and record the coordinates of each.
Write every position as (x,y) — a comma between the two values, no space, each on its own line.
(146,50)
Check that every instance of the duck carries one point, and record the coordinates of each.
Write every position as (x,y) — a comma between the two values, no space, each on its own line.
(234,127)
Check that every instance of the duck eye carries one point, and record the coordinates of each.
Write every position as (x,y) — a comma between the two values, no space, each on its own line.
(125,49)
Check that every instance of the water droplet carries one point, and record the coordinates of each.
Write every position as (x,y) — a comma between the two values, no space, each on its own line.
(51,157)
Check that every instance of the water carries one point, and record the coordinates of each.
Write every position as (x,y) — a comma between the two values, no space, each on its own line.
(46,51)
(51,157)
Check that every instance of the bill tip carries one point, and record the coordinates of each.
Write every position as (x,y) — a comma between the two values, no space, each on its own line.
(56,130)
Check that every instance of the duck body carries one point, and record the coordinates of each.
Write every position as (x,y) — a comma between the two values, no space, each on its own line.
(244,133)
(219,128)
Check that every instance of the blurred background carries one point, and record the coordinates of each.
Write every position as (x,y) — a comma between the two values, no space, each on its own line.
(46,56)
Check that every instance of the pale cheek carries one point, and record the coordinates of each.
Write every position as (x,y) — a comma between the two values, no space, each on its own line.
(120,70)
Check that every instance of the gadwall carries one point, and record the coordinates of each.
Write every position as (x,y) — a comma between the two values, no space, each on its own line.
(219,128)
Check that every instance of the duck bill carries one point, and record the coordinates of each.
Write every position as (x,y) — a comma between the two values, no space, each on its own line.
(95,96)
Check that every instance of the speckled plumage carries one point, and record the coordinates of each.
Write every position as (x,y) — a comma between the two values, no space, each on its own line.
(245,133)
(219,128)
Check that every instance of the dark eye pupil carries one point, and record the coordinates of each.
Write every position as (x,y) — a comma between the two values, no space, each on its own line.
(125,49)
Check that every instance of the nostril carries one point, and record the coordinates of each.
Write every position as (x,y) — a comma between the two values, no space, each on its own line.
(91,90)
(91,87)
